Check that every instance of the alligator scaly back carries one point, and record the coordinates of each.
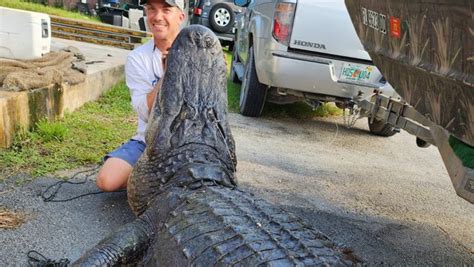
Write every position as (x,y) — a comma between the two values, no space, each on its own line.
(183,189)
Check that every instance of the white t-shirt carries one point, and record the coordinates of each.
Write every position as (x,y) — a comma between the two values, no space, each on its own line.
(143,69)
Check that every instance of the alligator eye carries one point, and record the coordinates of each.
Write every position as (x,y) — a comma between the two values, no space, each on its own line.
(195,37)
(183,115)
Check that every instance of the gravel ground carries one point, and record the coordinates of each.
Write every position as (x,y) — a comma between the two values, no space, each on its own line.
(392,202)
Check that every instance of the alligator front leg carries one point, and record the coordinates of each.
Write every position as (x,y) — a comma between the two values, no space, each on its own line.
(126,245)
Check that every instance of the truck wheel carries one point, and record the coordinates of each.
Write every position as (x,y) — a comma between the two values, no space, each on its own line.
(381,128)
(235,59)
(221,17)
(252,92)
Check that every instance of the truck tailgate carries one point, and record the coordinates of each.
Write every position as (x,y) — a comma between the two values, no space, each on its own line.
(325,26)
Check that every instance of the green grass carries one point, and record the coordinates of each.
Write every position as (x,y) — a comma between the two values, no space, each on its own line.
(233,89)
(29,6)
(49,131)
(82,137)
(300,111)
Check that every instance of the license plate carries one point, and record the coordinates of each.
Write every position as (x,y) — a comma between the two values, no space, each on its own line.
(357,73)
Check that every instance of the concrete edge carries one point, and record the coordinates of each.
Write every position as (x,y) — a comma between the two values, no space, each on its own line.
(21,110)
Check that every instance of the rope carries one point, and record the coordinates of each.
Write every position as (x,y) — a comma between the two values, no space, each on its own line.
(37,259)
(51,197)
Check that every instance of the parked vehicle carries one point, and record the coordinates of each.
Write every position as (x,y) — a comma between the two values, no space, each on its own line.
(302,50)
(219,16)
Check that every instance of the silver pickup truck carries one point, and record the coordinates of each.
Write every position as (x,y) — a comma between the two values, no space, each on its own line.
(302,50)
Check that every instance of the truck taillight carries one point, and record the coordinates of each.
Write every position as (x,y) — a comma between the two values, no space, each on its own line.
(197,11)
(283,22)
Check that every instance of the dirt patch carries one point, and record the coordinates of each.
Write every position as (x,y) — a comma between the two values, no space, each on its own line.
(10,219)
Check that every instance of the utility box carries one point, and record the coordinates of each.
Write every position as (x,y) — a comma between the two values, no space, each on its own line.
(24,34)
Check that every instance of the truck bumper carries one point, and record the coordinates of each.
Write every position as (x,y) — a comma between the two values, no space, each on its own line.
(313,74)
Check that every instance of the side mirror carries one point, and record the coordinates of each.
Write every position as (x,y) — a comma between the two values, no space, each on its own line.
(242,3)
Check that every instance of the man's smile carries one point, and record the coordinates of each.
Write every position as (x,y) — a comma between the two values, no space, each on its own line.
(159,26)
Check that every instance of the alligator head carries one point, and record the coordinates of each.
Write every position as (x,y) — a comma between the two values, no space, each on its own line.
(189,142)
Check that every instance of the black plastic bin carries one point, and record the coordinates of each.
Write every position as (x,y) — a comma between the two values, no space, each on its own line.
(112,15)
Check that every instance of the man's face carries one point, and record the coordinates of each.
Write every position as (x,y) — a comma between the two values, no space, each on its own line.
(164,20)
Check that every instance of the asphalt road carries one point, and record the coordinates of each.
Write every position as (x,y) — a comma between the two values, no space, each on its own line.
(389,200)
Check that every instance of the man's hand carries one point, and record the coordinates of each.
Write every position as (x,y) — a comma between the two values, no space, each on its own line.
(150,98)
(164,55)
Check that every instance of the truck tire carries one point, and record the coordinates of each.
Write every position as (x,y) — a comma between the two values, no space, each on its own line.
(221,17)
(252,92)
(380,128)
(235,59)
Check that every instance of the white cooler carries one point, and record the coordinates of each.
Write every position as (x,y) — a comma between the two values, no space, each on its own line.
(24,34)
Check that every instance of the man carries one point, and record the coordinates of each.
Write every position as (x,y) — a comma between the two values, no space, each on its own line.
(143,72)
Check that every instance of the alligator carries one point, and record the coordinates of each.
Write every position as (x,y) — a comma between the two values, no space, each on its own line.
(183,190)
